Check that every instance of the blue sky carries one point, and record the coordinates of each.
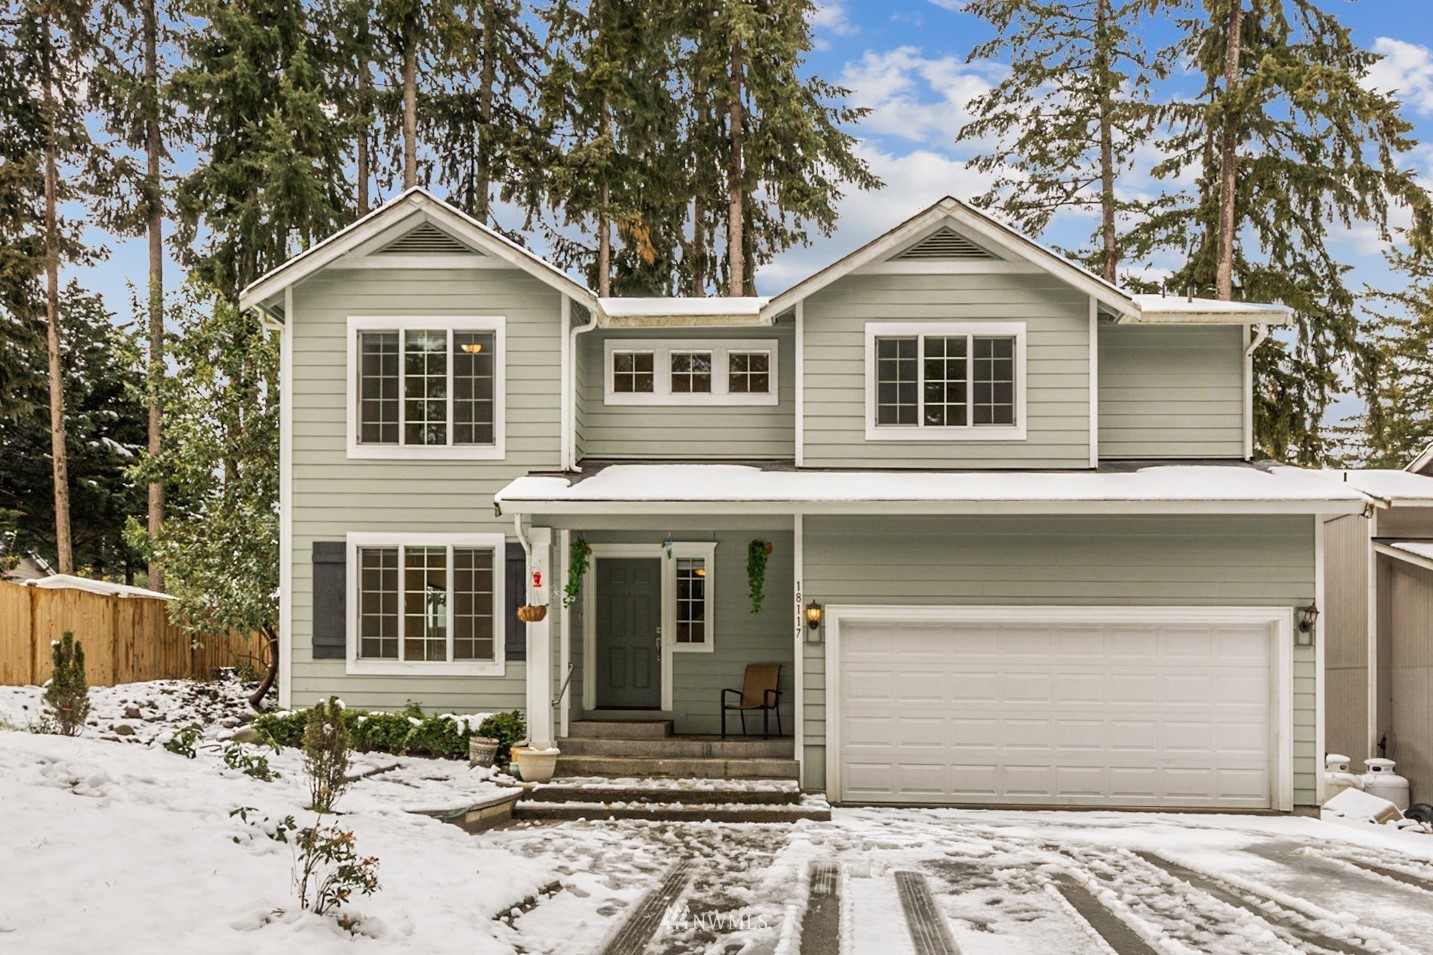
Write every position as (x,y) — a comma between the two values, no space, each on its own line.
(906,60)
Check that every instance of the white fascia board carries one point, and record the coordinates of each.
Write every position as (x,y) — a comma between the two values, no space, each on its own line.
(1417,560)
(608,507)
(1419,464)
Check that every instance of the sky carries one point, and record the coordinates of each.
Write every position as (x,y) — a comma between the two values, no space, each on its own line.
(906,60)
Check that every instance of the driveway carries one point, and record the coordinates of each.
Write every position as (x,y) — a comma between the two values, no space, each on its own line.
(930,882)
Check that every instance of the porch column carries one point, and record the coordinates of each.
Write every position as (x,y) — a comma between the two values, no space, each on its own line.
(539,643)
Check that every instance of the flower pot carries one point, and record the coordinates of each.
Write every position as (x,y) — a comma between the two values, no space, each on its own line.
(768,547)
(531,614)
(482,750)
(535,765)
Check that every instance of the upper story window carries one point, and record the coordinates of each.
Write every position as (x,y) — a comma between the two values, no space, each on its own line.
(938,381)
(425,387)
(677,372)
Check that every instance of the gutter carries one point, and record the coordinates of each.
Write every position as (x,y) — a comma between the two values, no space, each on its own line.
(1261,334)
(569,387)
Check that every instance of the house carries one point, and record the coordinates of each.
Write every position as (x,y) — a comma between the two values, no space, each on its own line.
(1018,554)
(1379,624)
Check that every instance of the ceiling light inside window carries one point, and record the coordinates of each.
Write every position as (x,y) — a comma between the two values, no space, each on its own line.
(472,348)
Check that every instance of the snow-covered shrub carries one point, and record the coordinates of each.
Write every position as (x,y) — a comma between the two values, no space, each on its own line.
(326,746)
(328,870)
(380,732)
(67,698)
(282,729)
(507,729)
(250,764)
(182,743)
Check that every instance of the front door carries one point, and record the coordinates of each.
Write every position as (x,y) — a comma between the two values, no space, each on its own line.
(629,633)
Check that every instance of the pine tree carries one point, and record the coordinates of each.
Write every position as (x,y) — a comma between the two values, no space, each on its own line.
(67,697)
(1070,115)
(1288,139)
(1396,422)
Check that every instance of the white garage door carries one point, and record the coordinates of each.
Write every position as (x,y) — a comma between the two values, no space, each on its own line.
(1164,711)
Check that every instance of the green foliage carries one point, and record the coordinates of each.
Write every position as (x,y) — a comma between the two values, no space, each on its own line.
(437,737)
(406,733)
(282,729)
(250,764)
(67,698)
(756,554)
(278,832)
(326,747)
(507,728)
(379,732)
(579,560)
(329,870)
(184,741)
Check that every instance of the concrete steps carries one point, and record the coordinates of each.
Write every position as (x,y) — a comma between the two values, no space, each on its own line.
(560,792)
(668,812)
(680,800)
(698,768)
(679,747)
(642,748)
(620,729)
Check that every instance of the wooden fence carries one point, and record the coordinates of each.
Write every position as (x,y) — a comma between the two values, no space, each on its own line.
(126,639)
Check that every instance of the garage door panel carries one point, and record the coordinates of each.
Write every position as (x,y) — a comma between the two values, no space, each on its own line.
(1113,713)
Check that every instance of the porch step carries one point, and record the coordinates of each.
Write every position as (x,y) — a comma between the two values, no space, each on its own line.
(670,800)
(620,729)
(765,795)
(669,812)
(700,768)
(680,747)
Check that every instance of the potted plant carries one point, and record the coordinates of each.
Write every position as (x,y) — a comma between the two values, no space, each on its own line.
(531,613)
(535,765)
(756,553)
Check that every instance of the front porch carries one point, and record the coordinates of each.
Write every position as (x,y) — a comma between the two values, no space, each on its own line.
(644,748)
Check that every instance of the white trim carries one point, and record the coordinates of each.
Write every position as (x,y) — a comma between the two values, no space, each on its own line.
(355,665)
(451,260)
(1407,557)
(1320,688)
(564,633)
(1371,638)
(798,675)
(1280,621)
(949,267)
(286,505)
(1247,372)
(800,384)
(967,432)
(662,350)
(538,672)
(1094,382)
(983,506)
(564,320)
(496,324)
(706,551)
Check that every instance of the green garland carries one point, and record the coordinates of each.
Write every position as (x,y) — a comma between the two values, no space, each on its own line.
(579,558)
(756,553)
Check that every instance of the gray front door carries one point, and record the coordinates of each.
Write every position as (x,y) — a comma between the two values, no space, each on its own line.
(629,633)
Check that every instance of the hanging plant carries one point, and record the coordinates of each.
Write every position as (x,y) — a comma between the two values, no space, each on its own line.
(756,553)
(579,558)
(667,546)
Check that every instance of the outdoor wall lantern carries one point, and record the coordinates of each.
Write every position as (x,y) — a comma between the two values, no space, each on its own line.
(813,615)
(1308,616)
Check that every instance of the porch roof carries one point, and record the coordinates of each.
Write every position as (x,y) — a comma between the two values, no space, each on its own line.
(731,488)
(1390,487)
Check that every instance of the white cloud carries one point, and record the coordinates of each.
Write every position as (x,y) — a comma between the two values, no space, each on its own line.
(954,6)
(915,97)
(831,18)
(1407,69)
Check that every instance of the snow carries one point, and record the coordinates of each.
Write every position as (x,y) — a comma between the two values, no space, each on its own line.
(698,307)
(1181,308)
(1422,549)
(709,483)
(1395,487)
(104,587)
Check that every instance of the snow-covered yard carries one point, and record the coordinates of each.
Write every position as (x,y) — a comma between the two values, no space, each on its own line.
(117,844)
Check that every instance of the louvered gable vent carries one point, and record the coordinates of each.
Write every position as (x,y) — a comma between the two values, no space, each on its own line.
(426,239)
(944,244)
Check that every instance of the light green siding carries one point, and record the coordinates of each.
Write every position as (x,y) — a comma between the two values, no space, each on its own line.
(1214,561)
(1057,370)
(334,496)
(682,432)
(1171,391)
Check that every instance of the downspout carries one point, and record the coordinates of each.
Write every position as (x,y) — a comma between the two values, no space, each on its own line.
(569,387)
(1261,333)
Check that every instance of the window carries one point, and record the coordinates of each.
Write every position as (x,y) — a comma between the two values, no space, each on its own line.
(693,590)
(676,372)
(426,387)
(426,603)
(945,381)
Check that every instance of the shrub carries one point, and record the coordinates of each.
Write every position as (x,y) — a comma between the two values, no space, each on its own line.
(329,870)
(67,698)
(507,729)
(250,764)
(436,736)
(408,732)
(182,743)
(380,732)
(283,729)
(326,745)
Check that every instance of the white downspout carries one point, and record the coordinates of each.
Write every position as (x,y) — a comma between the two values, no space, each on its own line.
(1261,333)
(569,385)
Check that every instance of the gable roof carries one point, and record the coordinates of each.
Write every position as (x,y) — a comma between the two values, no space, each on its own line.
(1423,462)
(414,200)
(983,227)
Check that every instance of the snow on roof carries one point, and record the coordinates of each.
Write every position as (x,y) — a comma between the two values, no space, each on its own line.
(1420,464)
(1393,487)
(673,488)
(1422,549)
(705,305)
(68,582)
(1171,309)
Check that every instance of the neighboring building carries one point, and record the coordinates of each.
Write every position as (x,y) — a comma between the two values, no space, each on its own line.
(1379,624)
(1018,495)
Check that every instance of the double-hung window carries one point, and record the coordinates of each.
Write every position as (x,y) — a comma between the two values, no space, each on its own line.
(694,570)
(933,381)
(676,372)
(425,387)
(426,603)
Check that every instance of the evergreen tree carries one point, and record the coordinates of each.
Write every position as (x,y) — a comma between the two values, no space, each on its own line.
(67,697)
(1396,423)
(272,178)
(1070,115)
(1288,139)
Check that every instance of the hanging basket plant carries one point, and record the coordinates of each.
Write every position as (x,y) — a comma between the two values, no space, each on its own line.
(756,553)
(532,613)
(579,558)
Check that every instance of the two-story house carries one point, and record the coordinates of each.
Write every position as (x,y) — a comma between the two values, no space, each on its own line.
(1018,554)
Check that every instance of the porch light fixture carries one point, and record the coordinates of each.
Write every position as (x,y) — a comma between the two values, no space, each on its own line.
(813,615)
(472,348)
(1308,616)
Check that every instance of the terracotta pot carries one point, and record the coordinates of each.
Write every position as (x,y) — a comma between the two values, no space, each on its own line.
(767,546)
(531,614)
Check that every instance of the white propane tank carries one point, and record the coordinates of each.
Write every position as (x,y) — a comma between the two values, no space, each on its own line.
(1337,778)
(1382,781)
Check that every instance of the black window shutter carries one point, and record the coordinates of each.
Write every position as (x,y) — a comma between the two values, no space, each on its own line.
(330,621)
(515,644)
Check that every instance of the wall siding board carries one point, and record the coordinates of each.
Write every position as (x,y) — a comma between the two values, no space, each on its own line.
(1409,724)
(1152,561)
(1344,627)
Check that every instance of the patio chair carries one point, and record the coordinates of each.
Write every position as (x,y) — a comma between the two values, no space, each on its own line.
(758,692)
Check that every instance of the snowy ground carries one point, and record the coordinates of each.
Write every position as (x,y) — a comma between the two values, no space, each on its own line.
(118,845)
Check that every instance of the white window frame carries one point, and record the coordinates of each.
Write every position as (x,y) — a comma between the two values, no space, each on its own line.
(706,552)
(400,667)
(920,431)
(662,350)
(496,324)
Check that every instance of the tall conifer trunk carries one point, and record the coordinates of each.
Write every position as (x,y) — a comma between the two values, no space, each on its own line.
(487,77)
(64,550)
(361,158)
(735,219)
(410,104)
(1108,238)
(154,188)
(1228,157)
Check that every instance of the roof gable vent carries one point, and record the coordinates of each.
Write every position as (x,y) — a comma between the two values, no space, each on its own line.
(944,243)
(426,239)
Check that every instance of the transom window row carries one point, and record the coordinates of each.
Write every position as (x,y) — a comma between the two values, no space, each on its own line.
(692,372)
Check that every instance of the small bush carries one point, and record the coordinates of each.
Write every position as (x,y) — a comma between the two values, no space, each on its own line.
(326,746)
(507,729)
(182,743)
(283,729)
(329,871)
(250,764)
(436,736)
(380,732)
(408,732)
(67,698)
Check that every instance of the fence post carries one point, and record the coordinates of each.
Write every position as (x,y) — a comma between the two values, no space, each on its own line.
(34,637)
